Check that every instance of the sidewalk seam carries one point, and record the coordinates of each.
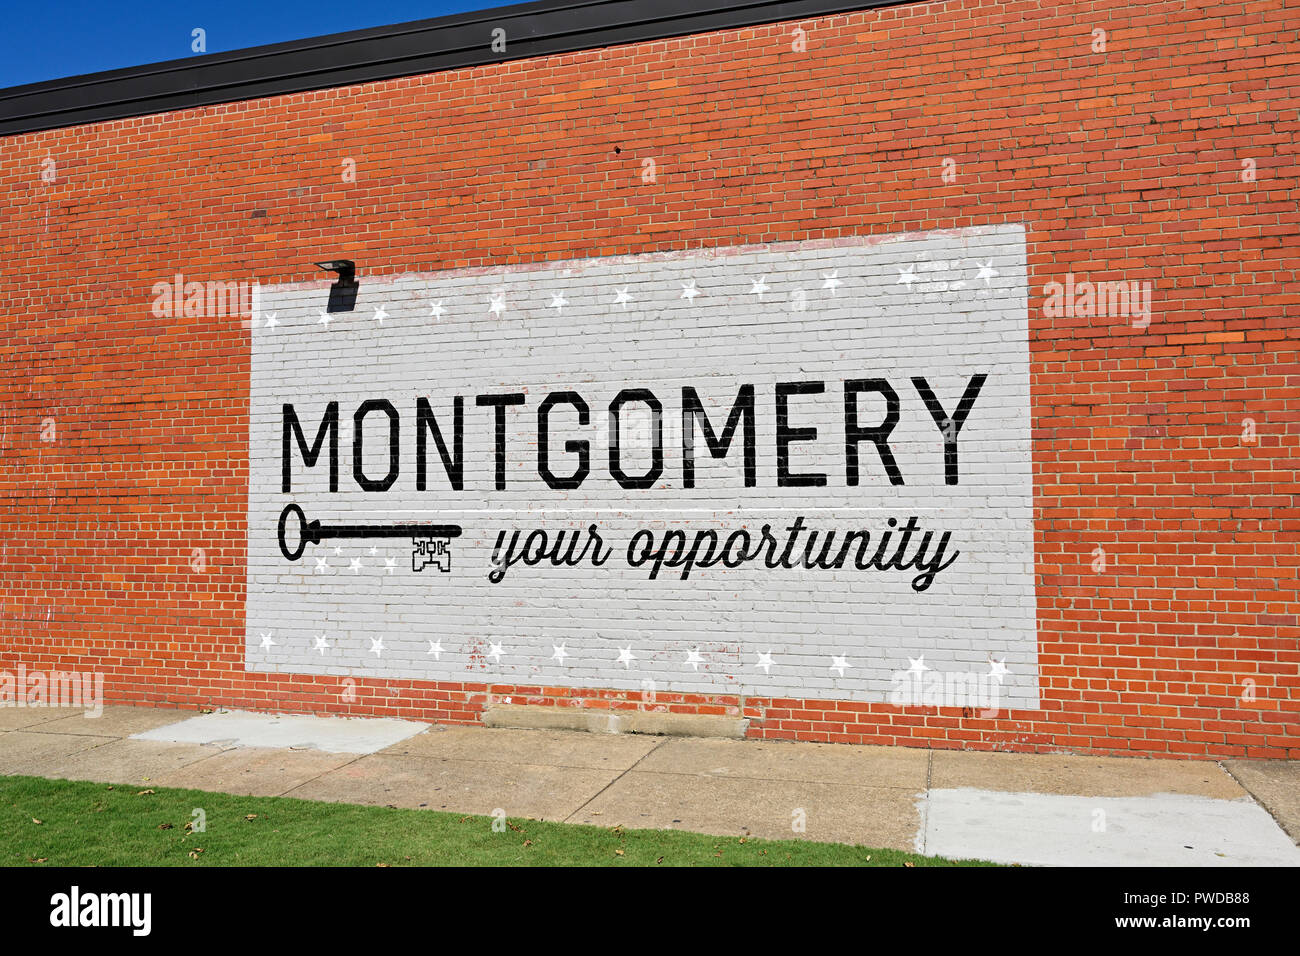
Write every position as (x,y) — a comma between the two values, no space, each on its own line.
(323,773)
(924,835)
(589,800)
(1277,817)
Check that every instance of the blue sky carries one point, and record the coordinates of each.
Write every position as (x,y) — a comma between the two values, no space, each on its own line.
(46,39)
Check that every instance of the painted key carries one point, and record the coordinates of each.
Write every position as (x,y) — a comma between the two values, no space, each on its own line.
(313,532)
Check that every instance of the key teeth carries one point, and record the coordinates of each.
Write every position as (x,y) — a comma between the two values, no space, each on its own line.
(427,551)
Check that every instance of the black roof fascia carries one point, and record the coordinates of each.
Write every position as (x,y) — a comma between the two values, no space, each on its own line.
(380,53)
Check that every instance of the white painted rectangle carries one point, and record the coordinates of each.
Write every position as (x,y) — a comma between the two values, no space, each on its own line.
(940,306)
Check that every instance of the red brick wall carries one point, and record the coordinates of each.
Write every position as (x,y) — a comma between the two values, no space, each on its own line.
(1128,163)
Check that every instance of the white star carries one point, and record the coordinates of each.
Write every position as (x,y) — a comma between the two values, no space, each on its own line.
(376,646)
(839,664)
(435,648)
(689,292)
(694,658)
(321,565)
(267,643)
(390,564)
(324,319)
(622,298)
(380,315)
(832,280)
(498,303)
(338,550)
(998,669)
(496,651)
(987,272)
(759,286)
(907,276)
(270,320)
(558,302)
(355,566)
(917,666)
(560,653)
(626,657)
(321,644)
(436,310)
(374,550)
(765,661)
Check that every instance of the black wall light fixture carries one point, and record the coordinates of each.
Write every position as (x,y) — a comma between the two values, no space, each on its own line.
(343,293)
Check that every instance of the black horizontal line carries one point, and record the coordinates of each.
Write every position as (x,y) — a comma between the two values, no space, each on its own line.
(380,53)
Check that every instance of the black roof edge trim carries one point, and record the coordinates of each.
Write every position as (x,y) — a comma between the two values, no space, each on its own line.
(382,53)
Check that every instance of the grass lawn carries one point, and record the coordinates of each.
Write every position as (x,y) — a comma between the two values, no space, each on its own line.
(67,823)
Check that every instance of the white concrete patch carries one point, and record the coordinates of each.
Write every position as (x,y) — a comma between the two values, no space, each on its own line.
(236,728)
(1163,829)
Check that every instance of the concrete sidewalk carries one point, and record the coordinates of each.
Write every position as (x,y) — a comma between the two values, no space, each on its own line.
(1005,807)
